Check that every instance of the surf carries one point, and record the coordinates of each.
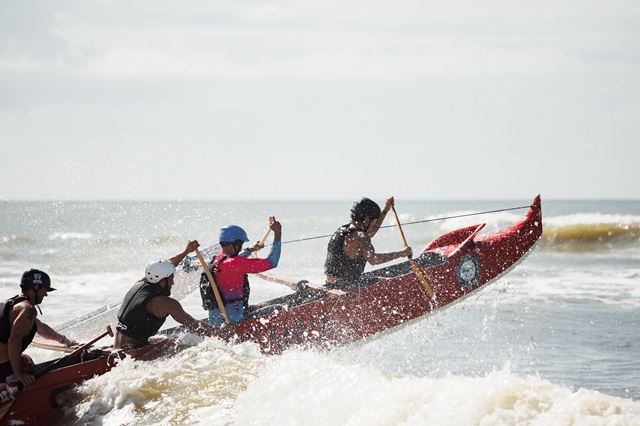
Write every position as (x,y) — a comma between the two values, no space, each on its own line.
(591,233)
(211,383)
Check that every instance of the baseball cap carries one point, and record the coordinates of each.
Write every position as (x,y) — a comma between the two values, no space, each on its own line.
(36,276)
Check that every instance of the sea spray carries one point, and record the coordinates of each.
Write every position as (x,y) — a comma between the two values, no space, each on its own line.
(205,376)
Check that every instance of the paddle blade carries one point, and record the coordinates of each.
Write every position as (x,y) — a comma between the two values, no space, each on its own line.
(423,277)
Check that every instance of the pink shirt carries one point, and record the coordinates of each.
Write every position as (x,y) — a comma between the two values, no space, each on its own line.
(229,273)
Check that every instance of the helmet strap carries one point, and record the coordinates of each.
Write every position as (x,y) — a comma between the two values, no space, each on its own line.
(237,246)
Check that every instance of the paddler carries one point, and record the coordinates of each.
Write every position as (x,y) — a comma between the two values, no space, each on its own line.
(350,247)
(19,323)
(147,305)
(231,266)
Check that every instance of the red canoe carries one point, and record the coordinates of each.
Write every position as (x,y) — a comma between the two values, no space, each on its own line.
(457,264)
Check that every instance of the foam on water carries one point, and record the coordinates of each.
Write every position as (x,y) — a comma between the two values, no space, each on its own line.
(199,383)
(210,383)
(324,391)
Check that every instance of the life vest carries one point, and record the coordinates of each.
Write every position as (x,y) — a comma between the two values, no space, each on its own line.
(338,263)
(206,291)
(5,326)
(134,320)
(208,296)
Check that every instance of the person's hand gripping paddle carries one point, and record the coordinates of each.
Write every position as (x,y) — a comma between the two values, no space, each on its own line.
(262,241)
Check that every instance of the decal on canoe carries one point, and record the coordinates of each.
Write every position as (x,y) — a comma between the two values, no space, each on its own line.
(467,270)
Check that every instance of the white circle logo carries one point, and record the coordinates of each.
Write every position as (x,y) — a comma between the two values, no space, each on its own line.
(467,270)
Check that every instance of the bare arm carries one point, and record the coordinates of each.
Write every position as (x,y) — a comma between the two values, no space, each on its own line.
(19,330)
(49,333)
(163,305)
(192,245)
(378,258)
(199,327)
(375,225)
(358,245)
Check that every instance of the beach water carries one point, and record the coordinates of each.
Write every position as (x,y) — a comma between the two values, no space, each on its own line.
(555,341)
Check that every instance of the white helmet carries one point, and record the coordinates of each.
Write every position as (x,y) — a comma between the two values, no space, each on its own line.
(159,270)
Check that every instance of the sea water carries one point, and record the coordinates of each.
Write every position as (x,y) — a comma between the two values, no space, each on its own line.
(555,341)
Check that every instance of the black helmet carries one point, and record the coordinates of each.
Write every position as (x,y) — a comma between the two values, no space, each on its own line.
(365,207)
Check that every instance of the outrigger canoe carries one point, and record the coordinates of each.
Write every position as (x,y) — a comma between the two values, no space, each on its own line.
(455,265)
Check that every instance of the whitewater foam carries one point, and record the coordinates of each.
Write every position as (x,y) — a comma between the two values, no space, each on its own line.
(215,384)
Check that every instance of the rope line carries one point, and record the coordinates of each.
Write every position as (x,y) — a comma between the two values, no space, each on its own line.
(420,221)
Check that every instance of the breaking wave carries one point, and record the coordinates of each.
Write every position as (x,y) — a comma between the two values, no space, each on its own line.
(580,233)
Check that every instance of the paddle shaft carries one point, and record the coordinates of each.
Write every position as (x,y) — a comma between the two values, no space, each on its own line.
(265,237)
(395,215)
(255,253)
(53,366)
(420,274)
(214,287)
(292,284)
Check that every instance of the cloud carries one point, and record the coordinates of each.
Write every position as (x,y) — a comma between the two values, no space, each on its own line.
(301,54)
(319,40)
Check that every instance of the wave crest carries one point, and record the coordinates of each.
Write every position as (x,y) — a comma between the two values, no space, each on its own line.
(591,236)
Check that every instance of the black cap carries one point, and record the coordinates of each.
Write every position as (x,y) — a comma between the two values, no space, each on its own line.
(36,276)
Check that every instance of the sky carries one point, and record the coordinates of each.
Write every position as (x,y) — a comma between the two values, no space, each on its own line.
(321,99)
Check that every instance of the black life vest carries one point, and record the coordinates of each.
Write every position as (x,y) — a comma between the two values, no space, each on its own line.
(338,263)
(134,320)
(5,325)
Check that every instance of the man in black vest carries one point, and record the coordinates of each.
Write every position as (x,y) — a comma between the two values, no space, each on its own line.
(147,305)
(350,247)
(19,323)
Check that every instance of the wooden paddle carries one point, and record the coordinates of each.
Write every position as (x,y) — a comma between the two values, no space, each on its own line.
(422,276)
(53,366)
(293,284)
(214,287)
(5,390)
(50,345)
(271,220)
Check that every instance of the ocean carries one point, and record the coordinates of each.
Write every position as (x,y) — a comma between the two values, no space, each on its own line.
(554,342)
